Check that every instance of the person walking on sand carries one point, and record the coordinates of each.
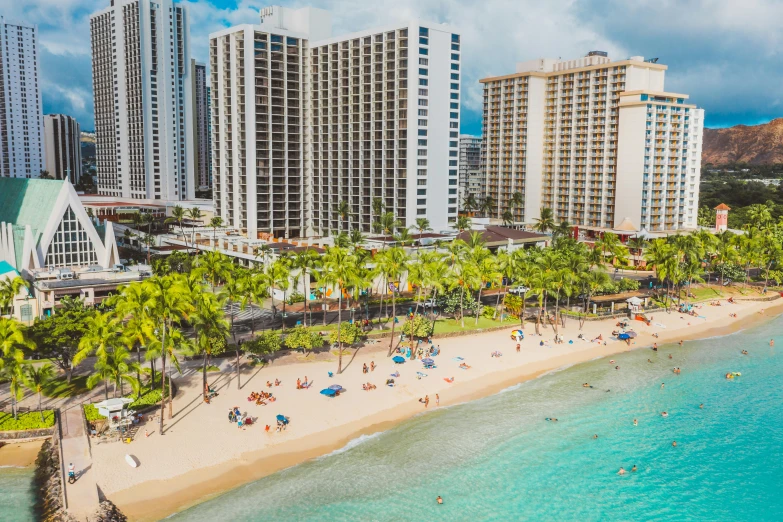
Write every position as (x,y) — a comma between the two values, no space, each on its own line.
(426,401)
(518,348)
(437,400)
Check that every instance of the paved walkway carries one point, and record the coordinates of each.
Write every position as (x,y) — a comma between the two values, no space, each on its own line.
(82,497)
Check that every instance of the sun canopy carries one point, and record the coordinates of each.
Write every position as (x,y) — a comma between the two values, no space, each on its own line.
(398,360)
(328,392)
(634,301)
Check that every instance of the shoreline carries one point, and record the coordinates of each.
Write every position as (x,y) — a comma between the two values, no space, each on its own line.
(142,501)
(20,454)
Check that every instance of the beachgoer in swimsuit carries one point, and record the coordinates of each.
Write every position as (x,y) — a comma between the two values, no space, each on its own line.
(440,500)
(674,443)
(633,468)
(621,472)
(635,422)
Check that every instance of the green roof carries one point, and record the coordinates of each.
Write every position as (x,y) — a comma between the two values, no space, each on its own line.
(27,202)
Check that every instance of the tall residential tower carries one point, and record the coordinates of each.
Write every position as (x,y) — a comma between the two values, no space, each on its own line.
(63,148)
(310,129)
(21,109)
(596,141)
(471,177)
(143,108)
(201,146)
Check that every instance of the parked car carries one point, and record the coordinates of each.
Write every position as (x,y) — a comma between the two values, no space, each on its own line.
(518,290)
(428,303)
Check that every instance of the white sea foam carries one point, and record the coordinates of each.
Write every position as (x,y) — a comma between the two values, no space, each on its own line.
(361,439)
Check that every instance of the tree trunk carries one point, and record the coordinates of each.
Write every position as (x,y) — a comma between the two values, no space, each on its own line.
(339,325)
(478,308)
(394,314)
(106,389)
(204,375)
(69,372)
(461,311)
(306,293)
(40,409)
(171,394)
(557,310)
(239,387)
(163,378)
(138,372)
(432,311)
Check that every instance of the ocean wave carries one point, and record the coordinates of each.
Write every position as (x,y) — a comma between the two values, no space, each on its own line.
(361,439)
(12,466)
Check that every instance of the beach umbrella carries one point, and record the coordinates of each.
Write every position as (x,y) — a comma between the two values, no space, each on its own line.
(398,360)
(428,361)
(335,387)
(623,336)
(631,334)
(282,418)
(328,392)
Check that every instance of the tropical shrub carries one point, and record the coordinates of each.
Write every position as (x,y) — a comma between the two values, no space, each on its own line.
(419,325)
(296,297)
(266,342)
(301,337)
(26,421)
(349,333)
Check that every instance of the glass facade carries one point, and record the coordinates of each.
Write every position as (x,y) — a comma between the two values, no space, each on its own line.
(70,245)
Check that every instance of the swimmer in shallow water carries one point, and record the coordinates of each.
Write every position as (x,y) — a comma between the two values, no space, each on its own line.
(595,436)
(674,443)
(439,500)
(744,352)
(701,406)
(635,422)
(621,472)
(551,419)
(633,468)
(664,414)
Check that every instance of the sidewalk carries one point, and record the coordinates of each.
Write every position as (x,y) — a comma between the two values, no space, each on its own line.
(81,497)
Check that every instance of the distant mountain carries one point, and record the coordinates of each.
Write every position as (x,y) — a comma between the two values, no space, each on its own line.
(751,144)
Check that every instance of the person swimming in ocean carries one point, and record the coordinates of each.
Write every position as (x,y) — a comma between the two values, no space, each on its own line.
(744,352)
(635,422)
(621,472)
(439,500)
(633,468)
(664,414)
(595,436)
(674,443)
(551,419)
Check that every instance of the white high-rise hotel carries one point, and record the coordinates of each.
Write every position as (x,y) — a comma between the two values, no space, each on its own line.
(143,108)
(21,109)
(594,140)
(309,129)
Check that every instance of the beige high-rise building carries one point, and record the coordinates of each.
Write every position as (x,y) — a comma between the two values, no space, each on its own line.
(598,142)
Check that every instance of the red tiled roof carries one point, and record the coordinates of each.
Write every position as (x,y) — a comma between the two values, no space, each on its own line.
(723,206)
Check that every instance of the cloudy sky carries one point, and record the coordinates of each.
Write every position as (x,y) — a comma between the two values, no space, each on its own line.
(726,54)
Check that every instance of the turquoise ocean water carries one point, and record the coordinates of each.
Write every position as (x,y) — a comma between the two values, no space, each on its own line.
(16,494)
(498,459)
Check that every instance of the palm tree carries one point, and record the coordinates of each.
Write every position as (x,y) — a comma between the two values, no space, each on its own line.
(256,288)
(215,265)
(488,206)
(339,272)
(484,266)
(115,366)
(759,215)
(563,230)
(36,378)
(215,223)
(9,289)
(133,304)
(422,225)
(435,279)
(469,204)
(178,216)
(233,292)
(278,275)
(508,218)
(659,255)
(343,210)
(463,223)
(262,251)
(545,222)
(104,332)
(636,244)
(210,325)
(172,303)
(403,237)
(13,373)
(194,213)
(517,200)
(594,281)
(725,251)
(386,224)
(391,265)
(306,261)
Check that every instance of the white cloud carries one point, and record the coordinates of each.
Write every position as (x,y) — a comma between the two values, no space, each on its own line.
(724,53)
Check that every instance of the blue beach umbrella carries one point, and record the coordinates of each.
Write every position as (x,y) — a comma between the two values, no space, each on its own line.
(328,392)
(428,361)
(282,418)
(623,336)
(336,387)
(398,360)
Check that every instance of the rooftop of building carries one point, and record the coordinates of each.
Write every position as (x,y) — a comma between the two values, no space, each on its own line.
(493,234)
(553,66)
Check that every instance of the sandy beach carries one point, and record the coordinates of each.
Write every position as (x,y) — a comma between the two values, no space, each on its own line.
(202,455)
(20,454)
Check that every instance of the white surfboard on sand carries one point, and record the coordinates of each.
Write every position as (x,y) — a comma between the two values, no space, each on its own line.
(131,461)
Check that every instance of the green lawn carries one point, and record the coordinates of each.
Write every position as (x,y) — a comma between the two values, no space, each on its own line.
(443,326)
(704,293)
(61,388)
(26,421)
